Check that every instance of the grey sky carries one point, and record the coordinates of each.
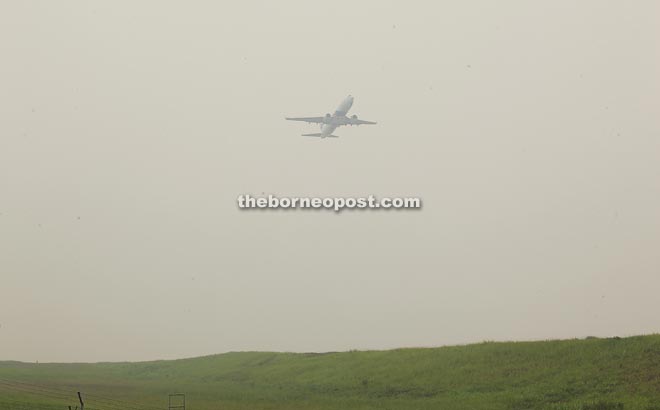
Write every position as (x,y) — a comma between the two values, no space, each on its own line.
(128,129)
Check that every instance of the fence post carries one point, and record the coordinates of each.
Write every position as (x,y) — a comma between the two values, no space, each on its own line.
(82,405)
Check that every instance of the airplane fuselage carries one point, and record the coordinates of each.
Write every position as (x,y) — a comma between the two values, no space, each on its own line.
(327,130)
(331,122)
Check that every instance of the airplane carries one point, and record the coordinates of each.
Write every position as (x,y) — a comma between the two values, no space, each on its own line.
(329,123)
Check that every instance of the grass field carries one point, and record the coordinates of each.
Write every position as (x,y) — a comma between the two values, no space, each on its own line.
(591,374)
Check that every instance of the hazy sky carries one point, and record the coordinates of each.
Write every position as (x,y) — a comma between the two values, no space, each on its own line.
(128,129)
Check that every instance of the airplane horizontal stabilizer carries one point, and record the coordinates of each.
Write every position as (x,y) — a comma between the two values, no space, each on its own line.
(319,134)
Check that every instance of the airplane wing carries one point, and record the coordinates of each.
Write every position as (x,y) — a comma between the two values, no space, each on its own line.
(315,120)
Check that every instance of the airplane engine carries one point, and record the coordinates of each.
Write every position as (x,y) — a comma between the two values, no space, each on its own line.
(326,119)
(354,117)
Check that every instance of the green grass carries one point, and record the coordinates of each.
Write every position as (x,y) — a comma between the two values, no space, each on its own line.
(591,374)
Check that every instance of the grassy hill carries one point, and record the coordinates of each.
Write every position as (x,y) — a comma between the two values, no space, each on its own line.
(586,374)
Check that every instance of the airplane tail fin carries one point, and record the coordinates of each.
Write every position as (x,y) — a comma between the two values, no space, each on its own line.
(319,135)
